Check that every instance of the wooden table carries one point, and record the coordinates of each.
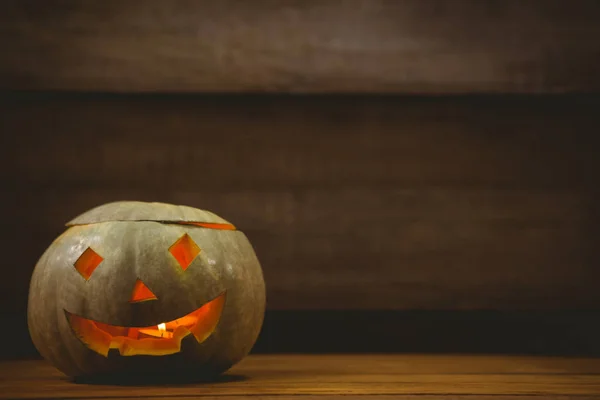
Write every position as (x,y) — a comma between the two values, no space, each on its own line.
(273,377)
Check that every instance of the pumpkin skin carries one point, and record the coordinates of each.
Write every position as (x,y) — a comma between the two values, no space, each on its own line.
(134,240)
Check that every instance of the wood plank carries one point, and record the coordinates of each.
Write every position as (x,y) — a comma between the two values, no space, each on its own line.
(368,396)
(368,46)
(290,142)
(351,203)
(365,397)
(276,375)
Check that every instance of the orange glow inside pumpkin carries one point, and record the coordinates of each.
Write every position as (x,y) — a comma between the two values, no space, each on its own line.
(141,292)
(184,250)
(87,262)
(158,340)
(211,225)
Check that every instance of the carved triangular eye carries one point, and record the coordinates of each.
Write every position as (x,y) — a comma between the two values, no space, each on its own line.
(184,250)
(87,262)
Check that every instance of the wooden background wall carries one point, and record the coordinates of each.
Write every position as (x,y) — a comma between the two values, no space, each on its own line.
(367,46)
(365,207)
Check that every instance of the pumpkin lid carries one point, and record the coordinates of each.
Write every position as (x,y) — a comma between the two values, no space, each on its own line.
(144,211)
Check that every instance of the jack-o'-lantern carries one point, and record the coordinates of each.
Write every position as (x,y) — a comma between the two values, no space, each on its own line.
(134,286)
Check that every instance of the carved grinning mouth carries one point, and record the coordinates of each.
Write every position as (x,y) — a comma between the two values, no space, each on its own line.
(157,340)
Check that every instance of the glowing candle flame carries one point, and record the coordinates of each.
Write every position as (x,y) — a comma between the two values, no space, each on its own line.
(162,327)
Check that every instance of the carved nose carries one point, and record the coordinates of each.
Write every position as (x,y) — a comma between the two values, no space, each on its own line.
(141,292)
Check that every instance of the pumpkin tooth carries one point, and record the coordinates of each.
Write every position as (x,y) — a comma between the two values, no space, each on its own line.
(166,346)
(208,318)
(89,334)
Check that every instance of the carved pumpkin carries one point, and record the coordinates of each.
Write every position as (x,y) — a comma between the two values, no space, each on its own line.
(133,286)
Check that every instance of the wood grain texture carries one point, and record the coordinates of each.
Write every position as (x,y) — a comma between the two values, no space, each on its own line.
(368,46)
(369,396)
(365,397)
(351,203)
(327,375)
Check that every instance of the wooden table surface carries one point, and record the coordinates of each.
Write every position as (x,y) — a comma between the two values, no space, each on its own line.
(274,377)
